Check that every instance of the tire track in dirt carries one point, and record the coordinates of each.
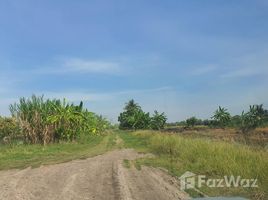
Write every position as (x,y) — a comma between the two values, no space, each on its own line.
(98,178)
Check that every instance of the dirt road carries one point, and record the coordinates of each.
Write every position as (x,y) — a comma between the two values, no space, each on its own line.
(100,177)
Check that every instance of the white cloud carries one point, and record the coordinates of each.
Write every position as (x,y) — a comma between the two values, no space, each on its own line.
(84,66)
(78,65)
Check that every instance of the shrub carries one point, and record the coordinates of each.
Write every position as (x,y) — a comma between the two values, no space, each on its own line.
(8,129)
(191,122)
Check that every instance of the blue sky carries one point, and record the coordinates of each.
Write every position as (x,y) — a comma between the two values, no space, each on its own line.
(184,58)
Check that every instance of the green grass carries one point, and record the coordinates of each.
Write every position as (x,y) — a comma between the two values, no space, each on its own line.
(214,159)
(111,141)
(135,140)
(126,163)
(22,156)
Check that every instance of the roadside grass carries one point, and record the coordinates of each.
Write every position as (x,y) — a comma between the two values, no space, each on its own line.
(111,143)
(126,163)
(214,159)
(136,140)
(22,156)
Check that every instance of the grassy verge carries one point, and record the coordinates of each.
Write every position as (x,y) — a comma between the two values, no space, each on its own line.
(126,163)
(214,159)
(135,140)
(21,156)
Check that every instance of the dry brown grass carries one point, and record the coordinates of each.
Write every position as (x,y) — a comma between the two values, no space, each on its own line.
(258,137)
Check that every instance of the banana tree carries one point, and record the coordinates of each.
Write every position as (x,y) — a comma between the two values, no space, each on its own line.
(252,119)
(158,120)
(67,120)
(222,117)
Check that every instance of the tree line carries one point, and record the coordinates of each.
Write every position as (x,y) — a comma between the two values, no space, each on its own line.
(133,117)
(39,120)
(255,117)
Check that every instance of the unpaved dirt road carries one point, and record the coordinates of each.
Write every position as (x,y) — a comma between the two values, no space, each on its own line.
(100,177)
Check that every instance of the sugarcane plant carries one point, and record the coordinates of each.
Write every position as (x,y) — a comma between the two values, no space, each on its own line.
(46,121)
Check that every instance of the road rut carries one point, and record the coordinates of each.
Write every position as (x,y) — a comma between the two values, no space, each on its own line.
(101,178)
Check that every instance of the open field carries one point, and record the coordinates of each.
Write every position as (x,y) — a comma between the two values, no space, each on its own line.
(214,159)
(126,173)
(257,138)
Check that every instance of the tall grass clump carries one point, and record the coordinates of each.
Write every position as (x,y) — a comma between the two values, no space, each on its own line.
(211,158)
(47,121)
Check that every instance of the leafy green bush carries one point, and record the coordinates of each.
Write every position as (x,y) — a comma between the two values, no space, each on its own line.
(191,122)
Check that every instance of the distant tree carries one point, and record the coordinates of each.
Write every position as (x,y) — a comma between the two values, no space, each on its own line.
(236,121)
(191,122)
(128,118)
(133,117)
(181,123)
(207,122)
(252,119)
(158,120)
(222,117)
(265,118)
(132,107)
(199,122)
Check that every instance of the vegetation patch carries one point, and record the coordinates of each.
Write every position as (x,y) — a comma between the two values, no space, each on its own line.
(214,159)
(44,121)
(126,163)
(137,140)
(34,155)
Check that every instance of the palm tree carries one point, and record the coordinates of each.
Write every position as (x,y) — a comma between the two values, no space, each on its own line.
(131,107)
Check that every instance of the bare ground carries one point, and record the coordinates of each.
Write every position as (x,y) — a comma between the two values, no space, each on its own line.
(100,177)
